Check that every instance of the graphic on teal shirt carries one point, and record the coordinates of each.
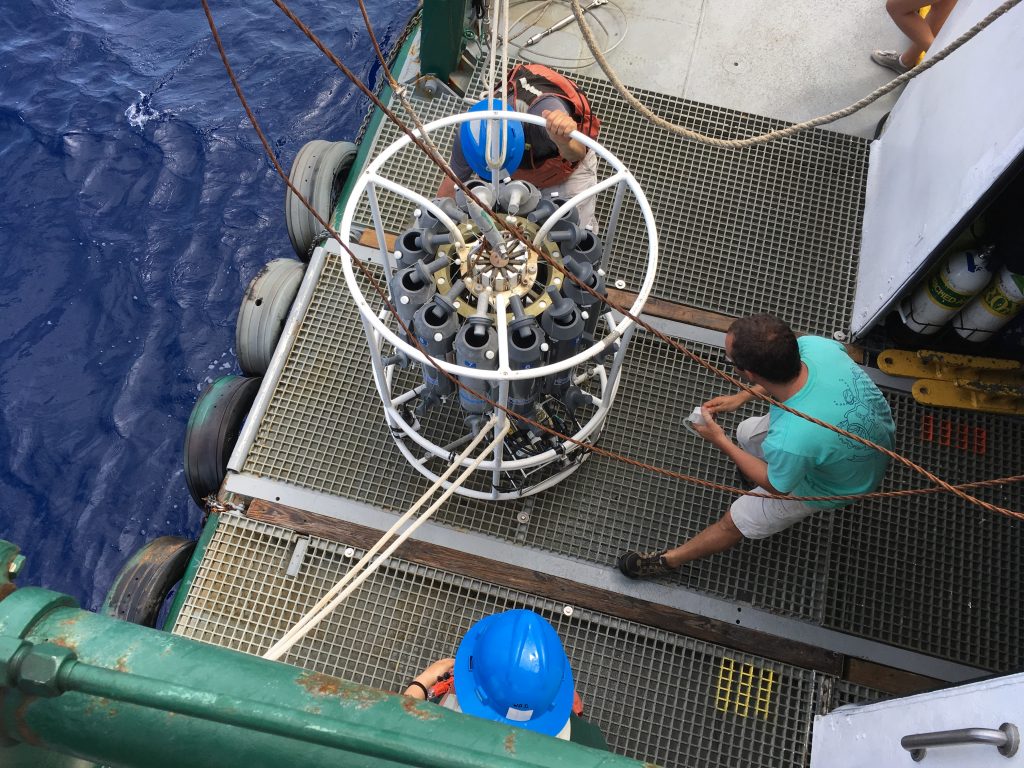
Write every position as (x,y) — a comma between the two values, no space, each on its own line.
(865,418)
(808,460)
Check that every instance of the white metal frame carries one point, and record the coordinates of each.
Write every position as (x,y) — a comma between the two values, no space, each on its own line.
(378,331)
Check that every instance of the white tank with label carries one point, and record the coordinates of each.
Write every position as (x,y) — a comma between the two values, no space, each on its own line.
(992,308)
(946,291)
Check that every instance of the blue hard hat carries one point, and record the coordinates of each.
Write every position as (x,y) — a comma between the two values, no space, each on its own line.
(511,668)
(473,137)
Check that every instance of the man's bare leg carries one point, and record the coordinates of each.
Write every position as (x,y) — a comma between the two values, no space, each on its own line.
(717,537)
(920,31)
(938,14)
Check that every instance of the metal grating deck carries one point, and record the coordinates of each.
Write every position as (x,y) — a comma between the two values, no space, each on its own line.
(872,570)
(773,228)
(844,692)
(656,695)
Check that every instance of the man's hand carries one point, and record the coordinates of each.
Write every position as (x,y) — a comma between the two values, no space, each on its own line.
(726,403)
(559,124)
(753,468)
(710,430)
(436,671)
(429,677)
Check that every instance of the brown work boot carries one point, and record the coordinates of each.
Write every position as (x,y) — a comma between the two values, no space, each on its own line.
(637,565)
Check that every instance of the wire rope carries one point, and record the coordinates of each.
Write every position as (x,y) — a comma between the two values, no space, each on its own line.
(580,62)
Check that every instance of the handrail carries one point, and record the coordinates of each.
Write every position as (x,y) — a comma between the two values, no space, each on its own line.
(1005,738)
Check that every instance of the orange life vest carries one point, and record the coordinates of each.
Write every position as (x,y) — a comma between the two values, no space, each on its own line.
(529,82)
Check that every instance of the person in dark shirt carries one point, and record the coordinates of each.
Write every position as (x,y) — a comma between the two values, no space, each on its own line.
(552,161)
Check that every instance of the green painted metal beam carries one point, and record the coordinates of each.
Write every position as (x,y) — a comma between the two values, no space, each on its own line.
(441,39)
(124,695)
(365,141)
(209,528)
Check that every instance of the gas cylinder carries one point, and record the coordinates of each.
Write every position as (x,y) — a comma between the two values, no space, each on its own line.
(425,220)
(946,291)
(563,325)
(419,245)
(588,303)
(993,308)
(589,248)
(547,206)
(435,324)
(476,346)
(526,349)
(518,197)
(567,234)
(412,287)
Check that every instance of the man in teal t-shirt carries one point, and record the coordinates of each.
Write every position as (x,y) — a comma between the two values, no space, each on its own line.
(780,452)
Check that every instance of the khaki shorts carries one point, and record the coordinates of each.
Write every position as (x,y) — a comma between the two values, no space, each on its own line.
(755,517)
(759,518)
(583,178)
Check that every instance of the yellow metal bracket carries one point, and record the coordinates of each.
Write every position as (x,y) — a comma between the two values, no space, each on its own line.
(926,364)
(991,398)
(986,384)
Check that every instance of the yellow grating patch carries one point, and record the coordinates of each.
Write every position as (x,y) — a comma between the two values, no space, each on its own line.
(744,689)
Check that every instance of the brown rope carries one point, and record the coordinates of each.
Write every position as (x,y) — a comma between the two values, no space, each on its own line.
(943,486)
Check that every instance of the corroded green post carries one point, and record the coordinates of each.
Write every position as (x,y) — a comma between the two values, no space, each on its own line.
(441,36)
(124,695)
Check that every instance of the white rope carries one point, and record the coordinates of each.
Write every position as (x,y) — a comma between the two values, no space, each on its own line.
(792,129)
(492,48)
(494,161)
(358,573)
(500,162)
(505,11)
(496,147)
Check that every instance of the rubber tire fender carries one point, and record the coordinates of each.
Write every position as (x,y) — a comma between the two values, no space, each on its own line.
(213,430)
(318,172)
(144,582)
(263,313)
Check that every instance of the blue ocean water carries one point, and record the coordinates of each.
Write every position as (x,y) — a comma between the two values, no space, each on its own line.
(138,203)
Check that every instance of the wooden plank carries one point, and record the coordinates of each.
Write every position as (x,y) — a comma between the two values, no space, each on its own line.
(670,310)
(888,679)
(681,313)
(369,238)
(558,589)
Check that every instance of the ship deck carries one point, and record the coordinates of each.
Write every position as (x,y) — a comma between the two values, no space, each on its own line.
(727,662)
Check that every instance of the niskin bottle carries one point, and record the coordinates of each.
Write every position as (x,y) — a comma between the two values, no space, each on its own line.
(992,308)
(946,291)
